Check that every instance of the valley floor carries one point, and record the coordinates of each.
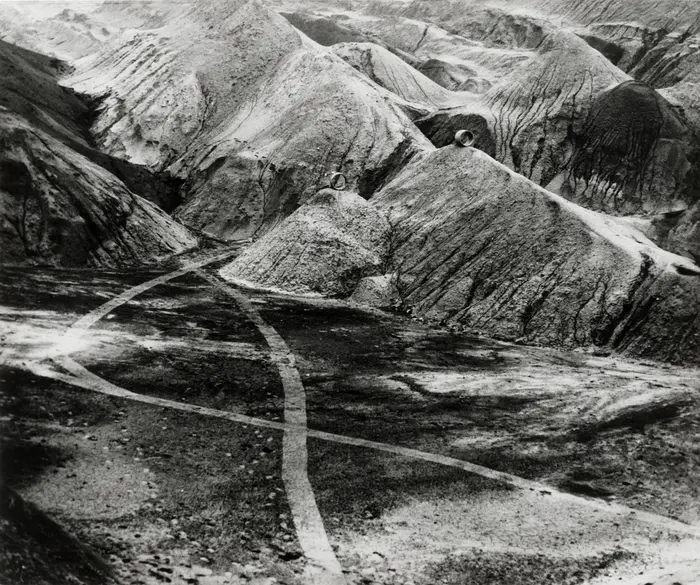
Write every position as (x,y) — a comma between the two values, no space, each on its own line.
(168,441)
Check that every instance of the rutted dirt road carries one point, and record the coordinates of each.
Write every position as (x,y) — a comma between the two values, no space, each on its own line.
(561,447)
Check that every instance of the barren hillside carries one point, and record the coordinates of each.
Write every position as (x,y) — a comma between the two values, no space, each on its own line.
(61,201)
(350,292)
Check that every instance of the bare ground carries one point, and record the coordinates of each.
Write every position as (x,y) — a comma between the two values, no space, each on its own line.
(166,496)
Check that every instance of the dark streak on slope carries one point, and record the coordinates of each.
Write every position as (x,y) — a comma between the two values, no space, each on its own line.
(29,86)
(479,247)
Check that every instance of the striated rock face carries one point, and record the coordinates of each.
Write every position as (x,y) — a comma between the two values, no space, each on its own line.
(639,155)
(685,97)
(657,42)
(29,87)
(477,245)
(674,59)
(491,23)
(326,246)
(635,154)
(326,31)
(397,76)
(454,76)
(248,116)
(538,110)
(528,121)
(443,53)
(72,30)
(668,14)
(251,114)
(684,237)
(65,34)
(58,206)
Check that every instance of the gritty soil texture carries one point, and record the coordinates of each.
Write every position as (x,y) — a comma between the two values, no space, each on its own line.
(151,490)
(35,550)
(364,376)
(178,326)
(170,497)
(356,486)
(524,569)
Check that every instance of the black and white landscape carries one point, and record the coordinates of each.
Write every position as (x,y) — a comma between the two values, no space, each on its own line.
(394,292)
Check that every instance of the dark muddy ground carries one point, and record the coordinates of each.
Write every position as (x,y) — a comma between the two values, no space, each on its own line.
(165,495)
(136,483)
(184,341)
(596,426)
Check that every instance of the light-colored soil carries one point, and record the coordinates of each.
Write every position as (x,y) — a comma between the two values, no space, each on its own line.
(605,429)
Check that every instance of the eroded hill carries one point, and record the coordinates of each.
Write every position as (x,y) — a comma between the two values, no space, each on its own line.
(58,205)
(250,106)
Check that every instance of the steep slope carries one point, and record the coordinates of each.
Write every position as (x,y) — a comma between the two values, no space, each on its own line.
(326,246)
(656,41)
(635,154)
(520,19)
(454,76)
(397,76)
(686,97)
(529,119)
(684,236)
(668,14)
(252,114)
(449,58)
(74,29)
(58,206)
(675,59)
(29,87)
(537,109)
(326,31)
(65,34)
(475,244)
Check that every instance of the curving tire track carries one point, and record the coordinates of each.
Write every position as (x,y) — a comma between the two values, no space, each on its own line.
(323,567)
(82,378)
(89,319)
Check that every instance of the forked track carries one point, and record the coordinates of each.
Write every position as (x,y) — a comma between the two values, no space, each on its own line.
(311,533)
(323,566)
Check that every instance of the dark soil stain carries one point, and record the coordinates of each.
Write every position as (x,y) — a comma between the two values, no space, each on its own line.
(171,310)
(349,340)
(344,353)
(21,396)
(521,569)
(371,410)
(184,312)
(208,379)
(219,485)
(354,485)
(26,452)
(36,550)
(64,290)
(553,458)
(23,461)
